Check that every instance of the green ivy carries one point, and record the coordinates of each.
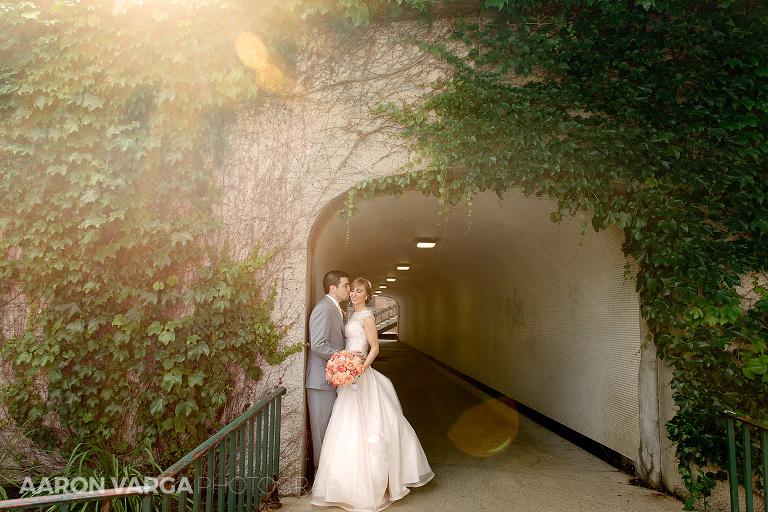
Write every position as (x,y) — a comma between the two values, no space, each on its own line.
(654,116)
(112,117)
(345,14)
(651,114)
(111,121)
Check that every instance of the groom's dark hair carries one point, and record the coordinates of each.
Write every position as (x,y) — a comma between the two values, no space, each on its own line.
(333,278)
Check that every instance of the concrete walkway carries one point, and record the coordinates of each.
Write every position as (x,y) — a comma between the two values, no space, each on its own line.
(488,457)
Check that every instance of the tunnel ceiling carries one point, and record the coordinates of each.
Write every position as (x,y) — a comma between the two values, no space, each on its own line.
(384,234)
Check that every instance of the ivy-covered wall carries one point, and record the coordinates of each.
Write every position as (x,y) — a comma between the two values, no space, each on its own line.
(158,195)
(115,117)
(136,323)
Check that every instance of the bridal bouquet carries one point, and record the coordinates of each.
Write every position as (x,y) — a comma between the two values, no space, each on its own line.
(343,368)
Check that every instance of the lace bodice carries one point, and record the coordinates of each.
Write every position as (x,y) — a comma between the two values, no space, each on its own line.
(356,339)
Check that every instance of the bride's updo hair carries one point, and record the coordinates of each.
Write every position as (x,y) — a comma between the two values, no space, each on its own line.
(366,286)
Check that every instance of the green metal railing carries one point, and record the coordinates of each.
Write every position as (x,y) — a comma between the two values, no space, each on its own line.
(63,502)
(747,425)
(236,470)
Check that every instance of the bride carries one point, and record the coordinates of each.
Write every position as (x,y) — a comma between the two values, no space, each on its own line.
(370,454)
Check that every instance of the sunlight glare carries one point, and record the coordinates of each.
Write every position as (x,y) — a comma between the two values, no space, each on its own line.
(486,429)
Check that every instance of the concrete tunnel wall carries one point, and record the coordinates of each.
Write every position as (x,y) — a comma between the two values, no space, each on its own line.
(536,310)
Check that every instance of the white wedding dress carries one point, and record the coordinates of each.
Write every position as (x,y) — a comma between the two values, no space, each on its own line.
(370,453)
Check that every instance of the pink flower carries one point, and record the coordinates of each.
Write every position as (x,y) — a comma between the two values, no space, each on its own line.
(343,368)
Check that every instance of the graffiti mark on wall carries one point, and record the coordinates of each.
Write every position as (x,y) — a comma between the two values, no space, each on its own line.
(513,309)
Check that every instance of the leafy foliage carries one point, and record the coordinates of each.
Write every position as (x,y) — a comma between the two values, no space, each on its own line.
(345,14)
(110,121)
(91,466)
(652,115)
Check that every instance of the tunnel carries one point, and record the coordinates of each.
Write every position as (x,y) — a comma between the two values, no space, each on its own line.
(541,312)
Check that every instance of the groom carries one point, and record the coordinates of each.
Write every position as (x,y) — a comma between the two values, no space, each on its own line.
(326,336)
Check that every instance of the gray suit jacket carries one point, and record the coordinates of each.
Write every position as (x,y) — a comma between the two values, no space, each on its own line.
(326,336)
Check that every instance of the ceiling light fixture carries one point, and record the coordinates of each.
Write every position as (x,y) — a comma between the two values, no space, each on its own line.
(403,267)
(382,286)
(425,243)
(391,279)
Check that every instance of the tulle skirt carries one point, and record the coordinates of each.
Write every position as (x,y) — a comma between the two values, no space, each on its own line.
(370,453)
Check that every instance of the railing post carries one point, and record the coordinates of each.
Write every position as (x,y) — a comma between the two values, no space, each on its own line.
(210,481)
(231,475)
(275,502)
(746,437)
(198,480)
(764,448)
(276,453)
(146,504)
(166,501)
(732,475)
(272,456)
(222,470)
(257,467)
(251,448)
(241,481)
(264,469)
(183,500)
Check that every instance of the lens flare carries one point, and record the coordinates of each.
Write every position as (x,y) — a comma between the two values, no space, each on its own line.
(269,78)
(485,430)
(251,51)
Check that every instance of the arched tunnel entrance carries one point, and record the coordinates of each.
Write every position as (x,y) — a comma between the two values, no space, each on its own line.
(543,313)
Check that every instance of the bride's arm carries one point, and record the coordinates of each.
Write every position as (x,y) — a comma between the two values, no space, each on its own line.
(373,341)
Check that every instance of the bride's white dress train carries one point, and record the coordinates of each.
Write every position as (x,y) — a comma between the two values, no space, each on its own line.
(371,454)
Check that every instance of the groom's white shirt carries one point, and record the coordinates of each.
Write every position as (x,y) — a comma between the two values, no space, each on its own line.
(337,304)
(334,301)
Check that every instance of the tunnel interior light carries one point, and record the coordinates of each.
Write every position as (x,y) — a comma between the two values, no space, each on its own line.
(425,243)
(403,267)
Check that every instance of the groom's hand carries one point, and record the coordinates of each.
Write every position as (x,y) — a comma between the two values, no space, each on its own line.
(358,354)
